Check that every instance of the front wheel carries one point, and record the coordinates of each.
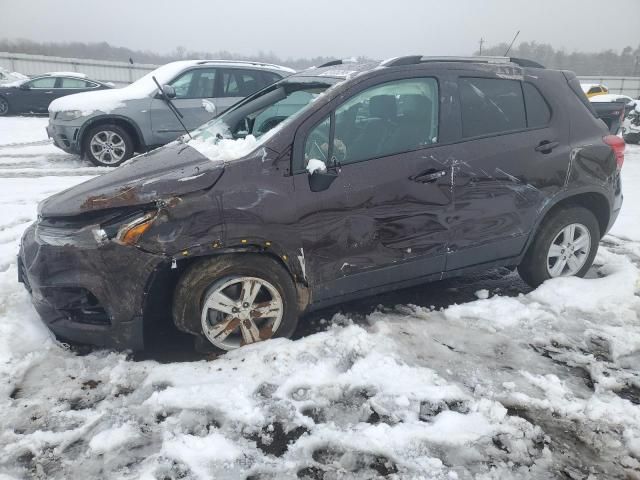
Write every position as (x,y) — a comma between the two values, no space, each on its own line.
(565,245)
(4,107)
(235,300)
(108,145)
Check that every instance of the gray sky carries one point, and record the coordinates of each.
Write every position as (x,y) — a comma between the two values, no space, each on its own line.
(340,28)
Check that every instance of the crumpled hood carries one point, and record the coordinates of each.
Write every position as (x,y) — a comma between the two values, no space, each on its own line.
(167,172)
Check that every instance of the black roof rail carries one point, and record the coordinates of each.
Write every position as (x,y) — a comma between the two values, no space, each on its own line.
(417,59)
(331,63)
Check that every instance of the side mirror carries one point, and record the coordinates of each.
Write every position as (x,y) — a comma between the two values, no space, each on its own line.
(319,178)
(25,86)
(169,91)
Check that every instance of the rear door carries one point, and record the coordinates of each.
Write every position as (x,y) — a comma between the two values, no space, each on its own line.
(512,155)
(383,220)
(238,83)
(194,99)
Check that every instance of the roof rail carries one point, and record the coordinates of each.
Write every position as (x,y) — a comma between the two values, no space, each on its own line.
(331,63)
(416,59)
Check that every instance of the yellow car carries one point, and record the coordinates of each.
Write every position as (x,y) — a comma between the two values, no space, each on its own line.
(593,89)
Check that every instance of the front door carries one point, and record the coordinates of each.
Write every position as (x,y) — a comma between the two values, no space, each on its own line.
(384,218)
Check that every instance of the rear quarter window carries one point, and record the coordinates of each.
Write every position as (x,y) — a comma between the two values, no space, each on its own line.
(538,111)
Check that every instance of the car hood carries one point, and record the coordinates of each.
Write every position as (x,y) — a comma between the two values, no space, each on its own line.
(162,175)
(105,100)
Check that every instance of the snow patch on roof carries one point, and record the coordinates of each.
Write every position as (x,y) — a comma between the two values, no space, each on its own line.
(67,74)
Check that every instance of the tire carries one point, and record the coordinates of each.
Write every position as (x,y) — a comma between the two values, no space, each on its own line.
(631,137)
(199,284)
(108,145)
(539,261)
(4,107)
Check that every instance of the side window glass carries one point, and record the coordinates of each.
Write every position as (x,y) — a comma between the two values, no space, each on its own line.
(73,83)
(198,83)
(269,78)
(538,113)
(45,82)
(491,106)
(317,144)
(241,83)
(387,119)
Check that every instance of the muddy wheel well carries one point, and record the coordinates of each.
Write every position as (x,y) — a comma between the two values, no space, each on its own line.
(593,202)
(158,302)
(126,125)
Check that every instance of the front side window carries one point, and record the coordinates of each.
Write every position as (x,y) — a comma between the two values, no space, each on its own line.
(491,106)
(45,82)
(387,119)
(197,83)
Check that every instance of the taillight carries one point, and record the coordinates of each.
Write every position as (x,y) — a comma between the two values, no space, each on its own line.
(617,145)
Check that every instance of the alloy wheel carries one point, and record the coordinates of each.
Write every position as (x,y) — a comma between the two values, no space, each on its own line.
(241,310)
(108,147)
(569,251)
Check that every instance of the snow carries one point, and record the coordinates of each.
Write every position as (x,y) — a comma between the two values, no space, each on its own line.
(109,100)
(540,384)
(67,74)
(611,97)
(315,165)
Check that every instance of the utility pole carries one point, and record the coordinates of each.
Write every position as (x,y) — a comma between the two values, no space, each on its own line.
(481,43)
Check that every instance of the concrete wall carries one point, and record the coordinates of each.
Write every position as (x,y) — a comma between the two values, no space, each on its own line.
(120,73)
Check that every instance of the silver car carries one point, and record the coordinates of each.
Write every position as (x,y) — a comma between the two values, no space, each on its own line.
(109,126)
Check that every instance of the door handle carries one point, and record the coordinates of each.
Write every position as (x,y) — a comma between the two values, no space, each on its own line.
(546,146)
(429,176)
(49,91)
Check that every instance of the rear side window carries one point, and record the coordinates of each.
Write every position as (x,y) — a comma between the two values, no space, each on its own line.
(491,106)
(538,112)
(241,83)
(75,83)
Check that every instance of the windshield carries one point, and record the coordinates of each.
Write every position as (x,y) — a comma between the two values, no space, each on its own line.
(265,110)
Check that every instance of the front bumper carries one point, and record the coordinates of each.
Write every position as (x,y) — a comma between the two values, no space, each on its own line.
(65,135)
(94,295)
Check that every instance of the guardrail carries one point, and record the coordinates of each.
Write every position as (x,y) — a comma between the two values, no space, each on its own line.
(119,73)
(624,85)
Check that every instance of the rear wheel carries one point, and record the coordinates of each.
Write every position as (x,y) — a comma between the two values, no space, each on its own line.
(235,300)
(108,145)
(4,106)
(564,246)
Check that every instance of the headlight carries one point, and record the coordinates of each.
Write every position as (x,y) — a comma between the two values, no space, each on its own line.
(130,232)
(69,115)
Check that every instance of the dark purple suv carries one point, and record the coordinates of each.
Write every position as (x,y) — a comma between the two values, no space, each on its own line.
(338,182)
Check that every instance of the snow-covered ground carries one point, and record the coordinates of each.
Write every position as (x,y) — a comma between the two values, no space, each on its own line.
(539,385)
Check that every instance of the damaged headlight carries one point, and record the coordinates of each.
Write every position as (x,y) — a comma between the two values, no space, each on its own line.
(130,232)
(125,229)
(69,115)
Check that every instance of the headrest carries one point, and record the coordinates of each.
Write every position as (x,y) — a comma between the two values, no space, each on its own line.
(416,105)
(383,106)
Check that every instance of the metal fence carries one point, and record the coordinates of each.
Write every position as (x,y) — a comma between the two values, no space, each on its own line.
(625,85)
(120,73)
(123,73)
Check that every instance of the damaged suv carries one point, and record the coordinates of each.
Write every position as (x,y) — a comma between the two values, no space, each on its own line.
(335,183)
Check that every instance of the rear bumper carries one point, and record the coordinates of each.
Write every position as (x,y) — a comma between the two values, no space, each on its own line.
(64,136)
(89,295)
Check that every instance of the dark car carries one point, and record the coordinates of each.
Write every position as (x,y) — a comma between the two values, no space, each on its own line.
(34,95)
(335,183)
